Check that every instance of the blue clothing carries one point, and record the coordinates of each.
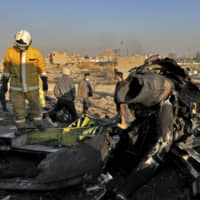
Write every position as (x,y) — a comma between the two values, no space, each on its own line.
(89,89)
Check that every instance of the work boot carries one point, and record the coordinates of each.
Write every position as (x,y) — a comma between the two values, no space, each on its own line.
(20,131)
(41,128)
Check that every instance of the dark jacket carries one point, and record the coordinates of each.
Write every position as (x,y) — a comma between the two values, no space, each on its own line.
(65,88)
(3,94)
(117,87)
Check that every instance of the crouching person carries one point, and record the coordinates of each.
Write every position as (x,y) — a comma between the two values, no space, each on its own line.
(65,92)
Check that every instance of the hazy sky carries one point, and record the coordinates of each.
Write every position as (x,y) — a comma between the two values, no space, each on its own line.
(89,26)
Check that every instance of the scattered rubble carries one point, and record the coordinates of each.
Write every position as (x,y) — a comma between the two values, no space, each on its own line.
(81,165)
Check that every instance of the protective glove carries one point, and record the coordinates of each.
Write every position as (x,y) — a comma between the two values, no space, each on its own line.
(4,87)
(44,83)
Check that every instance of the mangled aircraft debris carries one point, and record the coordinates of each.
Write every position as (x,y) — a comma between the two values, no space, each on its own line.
(164,103)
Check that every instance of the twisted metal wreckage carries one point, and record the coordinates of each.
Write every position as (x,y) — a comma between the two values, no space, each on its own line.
(163,106)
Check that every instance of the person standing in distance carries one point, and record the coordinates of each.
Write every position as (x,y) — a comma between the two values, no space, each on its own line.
(119,106)
(85,91)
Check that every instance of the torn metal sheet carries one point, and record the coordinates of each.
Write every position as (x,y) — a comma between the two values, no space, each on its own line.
(84,127)
(38,148)
(160,93)
(161,96)
(31,185)
(65,167)
(9,139)
(8,197)
(190,149)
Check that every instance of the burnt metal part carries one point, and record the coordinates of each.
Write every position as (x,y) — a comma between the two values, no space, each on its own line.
(164,84)
(161,97)
(66,167)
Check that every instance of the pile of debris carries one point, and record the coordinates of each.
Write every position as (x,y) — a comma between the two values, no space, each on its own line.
(102,161)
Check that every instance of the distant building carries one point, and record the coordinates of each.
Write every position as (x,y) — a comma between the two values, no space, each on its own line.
(186,60)
(58,57)
(125,63)
(108,56)
(75,59)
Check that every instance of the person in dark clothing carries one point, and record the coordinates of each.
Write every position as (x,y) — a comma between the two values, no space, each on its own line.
(3,97)
(65,92)
(85,91)
(119,77)
(120,107)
